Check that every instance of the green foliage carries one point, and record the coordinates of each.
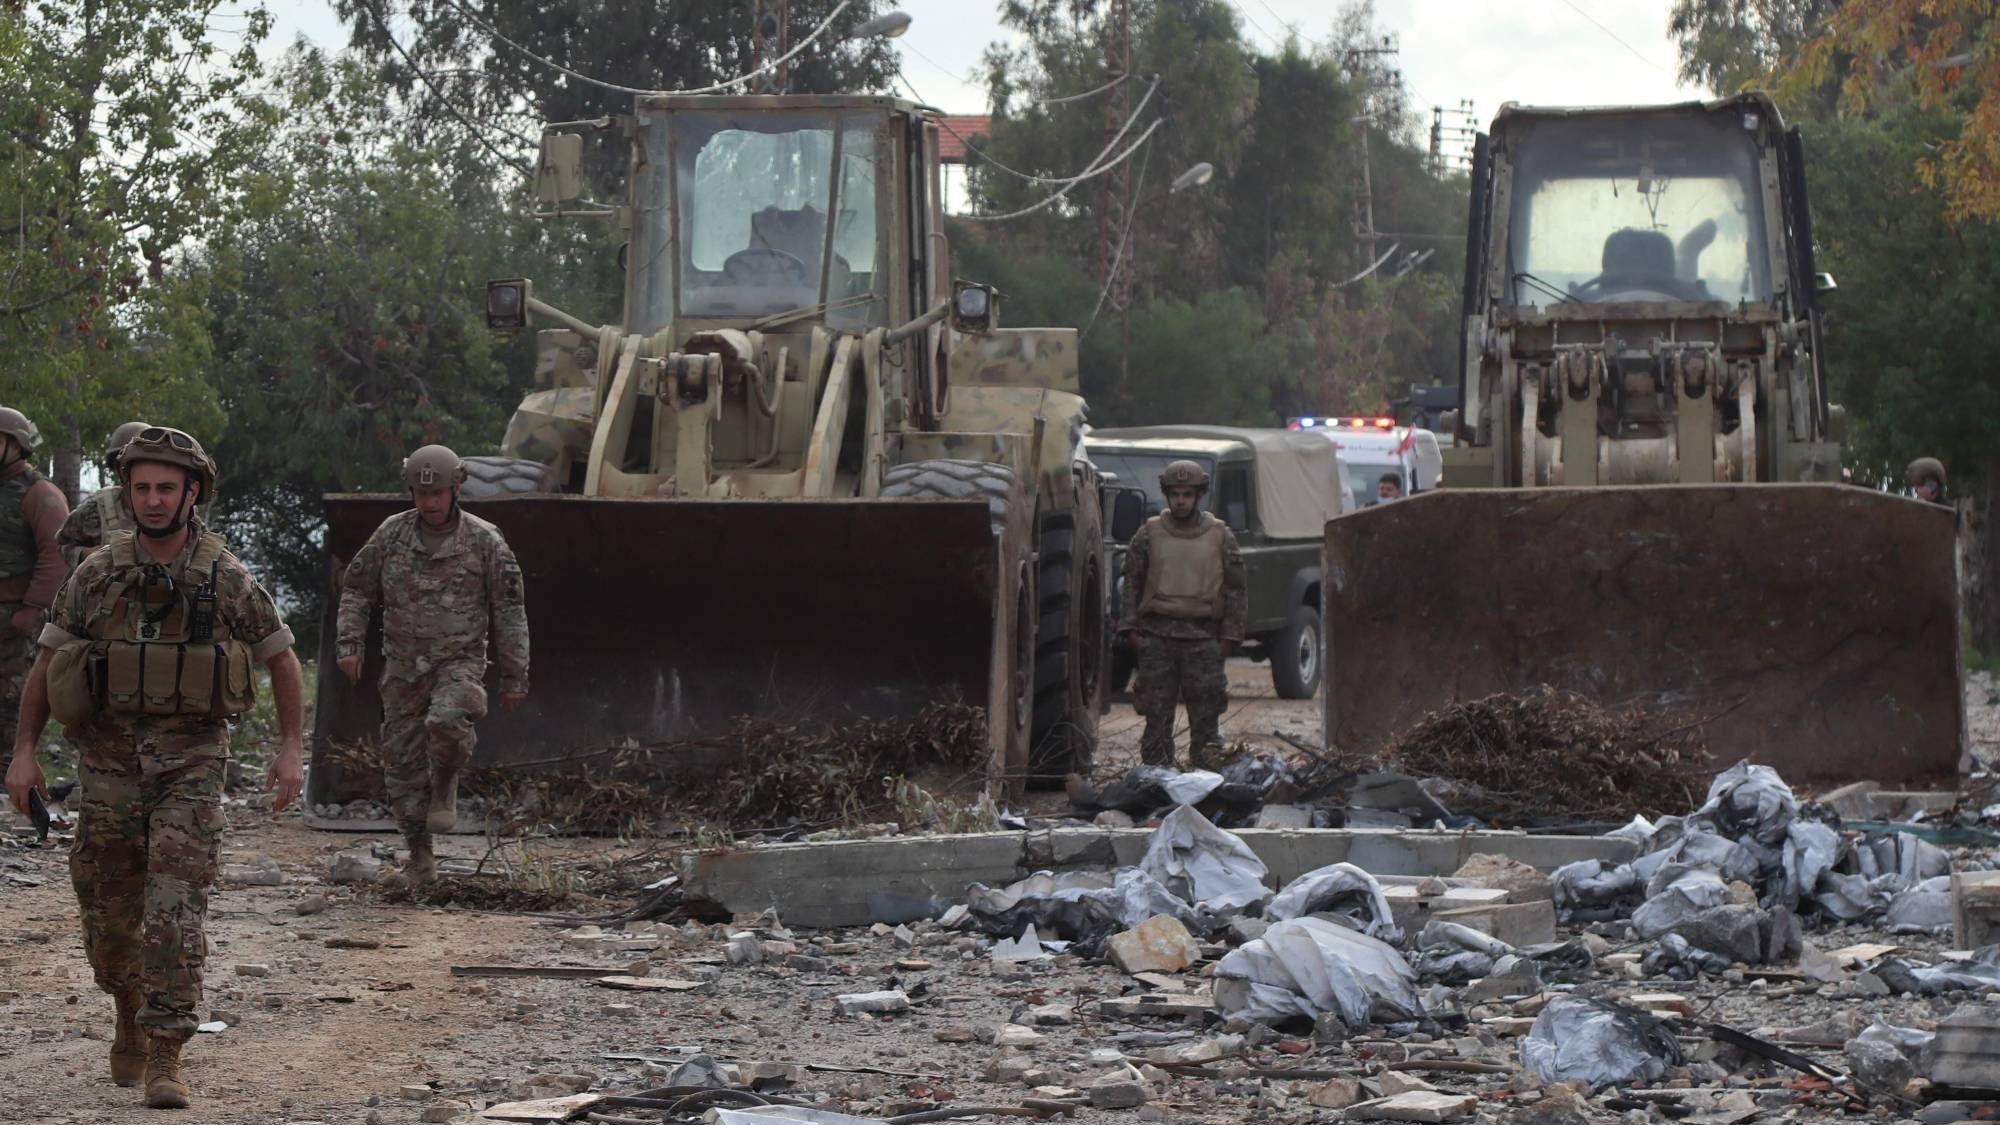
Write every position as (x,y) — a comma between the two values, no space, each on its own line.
(1246,299)
(1911,334)
(123,127)
(347,319)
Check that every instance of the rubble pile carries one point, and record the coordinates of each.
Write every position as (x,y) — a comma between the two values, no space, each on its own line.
(1553,754)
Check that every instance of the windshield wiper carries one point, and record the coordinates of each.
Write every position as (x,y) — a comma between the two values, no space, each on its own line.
(1561,297)
(820,309)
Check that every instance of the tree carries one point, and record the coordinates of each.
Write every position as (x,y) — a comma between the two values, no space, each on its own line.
(1733,45)
(347,318)
(1948,53)
(123,128)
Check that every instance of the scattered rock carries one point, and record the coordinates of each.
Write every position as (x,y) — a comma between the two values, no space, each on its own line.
(311,904)
(1393,1082)
(1879,1065)
(1335,1093)
(1118,1094)
(1521,881)
(890,1000)
(253,970)
(1160,944)
(355,867)
(261,871)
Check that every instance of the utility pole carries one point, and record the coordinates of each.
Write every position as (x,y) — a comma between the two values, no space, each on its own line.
(1452,133)
(1359,62)
(1115,193)
(770,38)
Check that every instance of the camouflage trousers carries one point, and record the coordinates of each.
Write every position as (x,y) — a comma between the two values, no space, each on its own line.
(148,837)
(17,657)
(1174,670)
(427,719)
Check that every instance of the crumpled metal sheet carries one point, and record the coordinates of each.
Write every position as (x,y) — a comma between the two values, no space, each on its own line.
(1305,967)
(1205,865)
(1343,891)
(1599,1041)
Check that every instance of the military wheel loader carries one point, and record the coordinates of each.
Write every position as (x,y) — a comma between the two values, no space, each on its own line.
(808,475)
(1643,503)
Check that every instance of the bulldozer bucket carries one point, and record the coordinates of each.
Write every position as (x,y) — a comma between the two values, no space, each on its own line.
(1813,628)
(659,621)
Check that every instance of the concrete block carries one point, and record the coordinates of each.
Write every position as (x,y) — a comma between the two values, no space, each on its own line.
(1902,804)
(1853,800)
(1516,923)
(1975,908)
(843,883)
(1284,816)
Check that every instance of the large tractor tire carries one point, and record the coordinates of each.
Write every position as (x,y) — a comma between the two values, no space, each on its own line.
(954,479)
(1070,645)
(491,477)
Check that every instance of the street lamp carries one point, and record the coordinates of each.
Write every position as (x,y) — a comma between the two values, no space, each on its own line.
(1195,176)
(888,25)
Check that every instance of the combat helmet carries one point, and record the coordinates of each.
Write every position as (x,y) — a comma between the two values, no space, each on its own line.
(1184,474)
(169,447)
(433,466)
(118,440)
(15,424)
(1926,468)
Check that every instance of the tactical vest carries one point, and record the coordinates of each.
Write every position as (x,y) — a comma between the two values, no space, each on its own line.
(1184,570)
(112,514)
(17,539)
(154,651)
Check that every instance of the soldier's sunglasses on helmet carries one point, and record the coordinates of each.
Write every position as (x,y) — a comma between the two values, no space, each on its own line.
(153,435)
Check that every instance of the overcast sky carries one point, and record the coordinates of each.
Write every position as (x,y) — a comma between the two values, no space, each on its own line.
(1551,52)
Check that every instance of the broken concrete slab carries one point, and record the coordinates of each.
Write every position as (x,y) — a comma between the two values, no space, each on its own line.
(1417,1105)
(1975,908)
(1516,923)
(854,882)
(1521,881)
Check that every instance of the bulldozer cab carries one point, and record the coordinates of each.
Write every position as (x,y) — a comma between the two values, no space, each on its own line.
(1628,269)
(752,208)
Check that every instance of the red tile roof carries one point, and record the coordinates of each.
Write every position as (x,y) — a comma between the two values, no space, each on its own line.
(953,132)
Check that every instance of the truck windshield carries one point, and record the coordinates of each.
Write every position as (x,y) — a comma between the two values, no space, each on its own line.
(1636,209)
(1142,470)
(777,212)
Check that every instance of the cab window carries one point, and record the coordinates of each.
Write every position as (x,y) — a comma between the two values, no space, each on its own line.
(1232,497)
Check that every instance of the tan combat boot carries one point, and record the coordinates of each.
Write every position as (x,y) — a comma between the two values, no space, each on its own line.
(128,1043)
(422,867)
(164,1088)
(443,816)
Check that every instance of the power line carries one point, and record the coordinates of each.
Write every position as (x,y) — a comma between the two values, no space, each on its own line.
(1614,35)
(1082,96)
(634,90)
(1252,21)
(1089,170)
(381,13)
(1092,174)
(1118,256)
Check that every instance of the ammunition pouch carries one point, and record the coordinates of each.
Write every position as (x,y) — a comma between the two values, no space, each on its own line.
(178,678)
(76,683)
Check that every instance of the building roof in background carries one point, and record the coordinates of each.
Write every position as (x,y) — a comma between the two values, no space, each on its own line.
(951,149)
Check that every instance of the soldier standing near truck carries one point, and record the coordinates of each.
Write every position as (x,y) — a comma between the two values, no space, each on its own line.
(446,581)
(1185,607)
(106,510)
(146,655)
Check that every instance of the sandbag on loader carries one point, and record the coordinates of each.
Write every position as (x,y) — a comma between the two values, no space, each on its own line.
(810,477)
(1642,504)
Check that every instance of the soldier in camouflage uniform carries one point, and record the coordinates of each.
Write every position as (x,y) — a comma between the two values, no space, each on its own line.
(146,655)
(106,511)
(1185,609)
(446,581)
(31,563)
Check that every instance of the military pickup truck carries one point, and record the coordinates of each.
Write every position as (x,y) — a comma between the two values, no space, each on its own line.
(1275,489)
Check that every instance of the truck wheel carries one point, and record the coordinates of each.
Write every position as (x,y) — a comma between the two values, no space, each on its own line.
(954,479)
(488,477)
(1069,646)
(1295,656)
